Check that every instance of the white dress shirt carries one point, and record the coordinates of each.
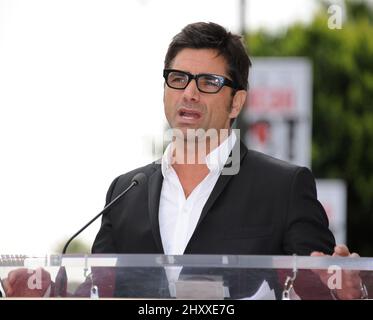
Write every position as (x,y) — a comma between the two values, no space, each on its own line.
(178,216)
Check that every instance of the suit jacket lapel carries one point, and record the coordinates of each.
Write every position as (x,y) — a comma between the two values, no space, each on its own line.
(155,187)
(222,181)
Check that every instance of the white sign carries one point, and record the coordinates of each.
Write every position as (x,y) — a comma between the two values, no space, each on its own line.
(278,113)
(332,194)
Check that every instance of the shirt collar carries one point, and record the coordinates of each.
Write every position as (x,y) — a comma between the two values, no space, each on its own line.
(166,163)
(215,160)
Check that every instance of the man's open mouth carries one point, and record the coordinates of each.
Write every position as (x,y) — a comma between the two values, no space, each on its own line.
(189,114)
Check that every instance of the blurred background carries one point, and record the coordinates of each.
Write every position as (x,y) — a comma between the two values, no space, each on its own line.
(75,111)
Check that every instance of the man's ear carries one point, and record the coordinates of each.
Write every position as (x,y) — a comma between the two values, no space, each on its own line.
(237,103)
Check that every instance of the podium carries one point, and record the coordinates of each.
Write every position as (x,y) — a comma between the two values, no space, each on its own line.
(154,276)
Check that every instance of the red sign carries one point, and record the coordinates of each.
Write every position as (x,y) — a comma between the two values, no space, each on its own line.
(271,100)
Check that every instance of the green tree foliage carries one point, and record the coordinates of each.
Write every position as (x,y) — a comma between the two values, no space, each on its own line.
(342,144)
(76,246)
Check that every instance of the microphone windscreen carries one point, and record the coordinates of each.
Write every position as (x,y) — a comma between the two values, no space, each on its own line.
(139,178)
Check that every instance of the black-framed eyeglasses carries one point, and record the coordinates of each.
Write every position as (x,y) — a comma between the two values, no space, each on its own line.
(206,82)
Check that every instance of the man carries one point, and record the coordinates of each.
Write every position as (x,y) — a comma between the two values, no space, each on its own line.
(210,194)
(268,207)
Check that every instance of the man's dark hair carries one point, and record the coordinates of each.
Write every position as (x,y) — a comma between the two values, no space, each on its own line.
(202,35)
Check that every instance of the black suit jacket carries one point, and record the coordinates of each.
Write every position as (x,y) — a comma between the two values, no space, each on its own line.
(269,208)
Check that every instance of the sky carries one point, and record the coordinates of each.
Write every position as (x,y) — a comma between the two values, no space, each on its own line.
(74,109)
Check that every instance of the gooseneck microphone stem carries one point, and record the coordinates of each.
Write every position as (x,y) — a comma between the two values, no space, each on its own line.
(135,181)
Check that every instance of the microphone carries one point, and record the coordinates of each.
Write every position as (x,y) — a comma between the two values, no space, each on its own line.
(139,178)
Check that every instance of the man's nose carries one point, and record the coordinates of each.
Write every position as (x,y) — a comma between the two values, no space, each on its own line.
(191,91)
